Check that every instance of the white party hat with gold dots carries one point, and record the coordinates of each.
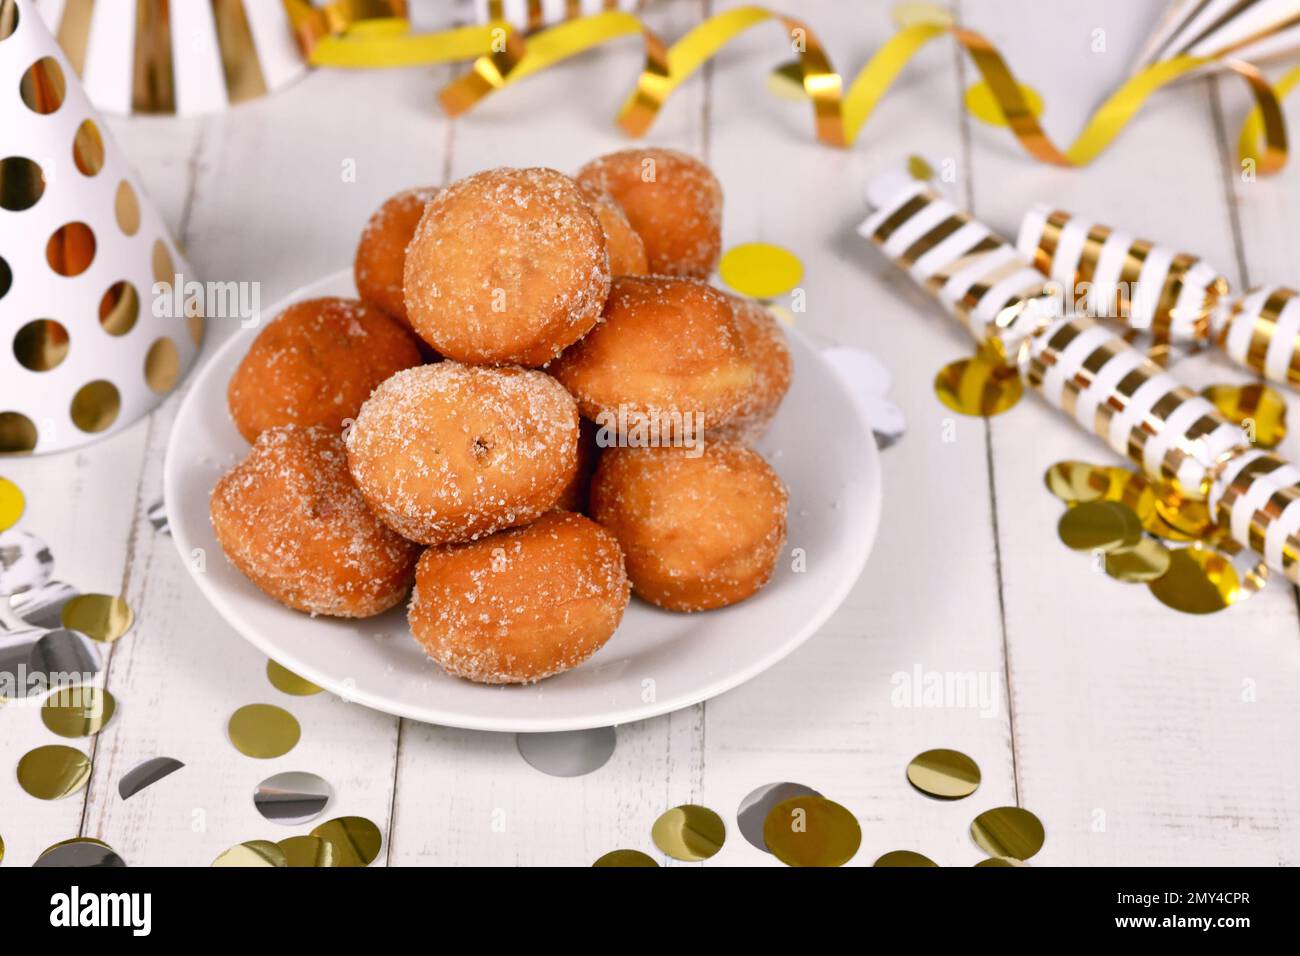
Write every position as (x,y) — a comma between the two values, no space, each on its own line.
(86,346)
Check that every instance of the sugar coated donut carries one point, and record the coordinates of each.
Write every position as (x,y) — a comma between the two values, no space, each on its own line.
(381,252)
(315,364)
(626,250)
(667,358)
(700,531)
(290,518)
(522,604)
(451,452)
(507,266)
(773,368)
(672,200)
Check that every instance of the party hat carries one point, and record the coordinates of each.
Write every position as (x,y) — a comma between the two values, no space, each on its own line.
(175,56)
(1243,29)
(89,342)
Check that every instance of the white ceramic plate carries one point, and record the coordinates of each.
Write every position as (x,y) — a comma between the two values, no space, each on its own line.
(656,662)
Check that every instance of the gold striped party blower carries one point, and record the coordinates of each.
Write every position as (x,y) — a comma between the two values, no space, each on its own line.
(1203,488)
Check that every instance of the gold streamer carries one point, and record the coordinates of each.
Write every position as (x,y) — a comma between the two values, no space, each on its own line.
(339,34)
(153,82)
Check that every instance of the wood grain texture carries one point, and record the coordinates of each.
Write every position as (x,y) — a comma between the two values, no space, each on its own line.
(1138,735)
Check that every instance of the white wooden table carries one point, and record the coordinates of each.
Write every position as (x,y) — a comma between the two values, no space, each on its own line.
(1138,735)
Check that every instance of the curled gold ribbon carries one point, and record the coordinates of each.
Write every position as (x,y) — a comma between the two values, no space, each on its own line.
(503,58)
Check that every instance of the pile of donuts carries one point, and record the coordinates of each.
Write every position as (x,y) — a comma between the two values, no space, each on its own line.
(537,406)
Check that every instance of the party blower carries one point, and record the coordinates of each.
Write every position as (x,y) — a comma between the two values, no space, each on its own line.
(1087,371)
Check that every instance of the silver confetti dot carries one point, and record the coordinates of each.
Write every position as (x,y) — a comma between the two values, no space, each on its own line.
(80,853)
(25,562)
(754,809)
(293,797)
(15,663)
(146,775)
(64,657)
(569,753)
(43,607)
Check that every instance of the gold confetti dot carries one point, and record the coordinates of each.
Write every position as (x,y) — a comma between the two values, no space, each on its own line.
(1001,861)
(760,270)
(2,849)
(904,858)
(919,168)
(12,504)
(353,841)
(252,853)
(625,858)
(913,14)
(980,386)
(1255,407)
(1077,481)
(78,711)
(983,103)
(786,82)
(1099,526)
(689,832)
(1201,580)
(307,851)
(54,771)
(1145,561)
(1008,831)
(1186,516)
(949,774)
(101,617)
(263,730)
(812,831)
(285,680)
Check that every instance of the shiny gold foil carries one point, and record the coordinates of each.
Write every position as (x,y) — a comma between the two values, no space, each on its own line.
(948,774)
(101,617)
(1145,561)
(812,831)
(80,711)
(95,406)
(1255,407)
(1099,526)
(162,365)
(980,386)
(352,841)
(70,249)
(17,433)
(263,731)
(126,208)
(153,81)
(904,858)
(283,679)
(689,832)
(43,86)
(1200,580)
(53,772)
(240,64)
(1000,861)
(22,184)
(119,308)
(1076,481)
(307,851)
(41,345)
(625,858)
(1008,832)
(252,853)
(88,149)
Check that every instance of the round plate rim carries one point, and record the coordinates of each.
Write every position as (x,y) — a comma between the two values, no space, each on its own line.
(452,718)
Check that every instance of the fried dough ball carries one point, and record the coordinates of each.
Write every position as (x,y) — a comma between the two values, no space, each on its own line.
(452,452)
(672,200)
(699,531)
(523,604)
(381,252)
(507,266)
(574,495)
(773,368)
(291,519)
(667,356)
(626,250)
(315,364)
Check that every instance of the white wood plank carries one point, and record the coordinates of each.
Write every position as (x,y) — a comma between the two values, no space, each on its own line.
(1135,739)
